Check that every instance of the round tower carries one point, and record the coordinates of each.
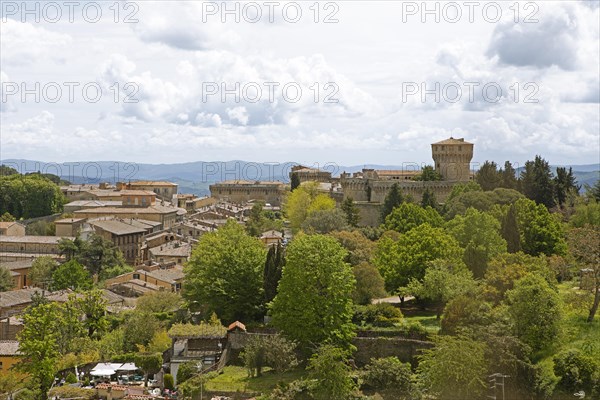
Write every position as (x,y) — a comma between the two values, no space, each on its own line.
(452,159)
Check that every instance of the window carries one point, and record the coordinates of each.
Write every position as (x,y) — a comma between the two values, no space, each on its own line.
(136,276)
(1,365)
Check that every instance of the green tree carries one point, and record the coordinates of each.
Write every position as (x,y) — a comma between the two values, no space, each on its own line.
(41,271)
(392,200)
(272,271)
(535,309)
(388,374)
(428,199)
(509,176)
(329,368)
(565,185)
(351,211)
(360,249)
(479,234)
(186,371)
(428,173)
(442,282)
(149,363)
(98,254)
(406,257)
(537,182)
(577,371)
(305,200)
(92,306)
(510,230)
(541,232)
(488,176)
(159,302)
(10,382)
(225,273)
(6,217)
(169,382)
(586,214)
(325,221)
(454,368)
(505,269)
(6,280)
(71,275)
(408,216)
(369,283)
(38,346)
(294,182)
(5,170)
(313,304)
(29,196)
(138,330)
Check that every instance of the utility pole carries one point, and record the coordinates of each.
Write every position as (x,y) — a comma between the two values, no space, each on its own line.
(494,380)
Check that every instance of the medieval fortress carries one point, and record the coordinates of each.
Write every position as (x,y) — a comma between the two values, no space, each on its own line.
(368,188)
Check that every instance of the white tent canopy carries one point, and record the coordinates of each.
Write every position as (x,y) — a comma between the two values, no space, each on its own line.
(109,369)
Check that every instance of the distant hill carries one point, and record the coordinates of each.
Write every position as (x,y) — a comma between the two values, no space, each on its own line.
(195,177)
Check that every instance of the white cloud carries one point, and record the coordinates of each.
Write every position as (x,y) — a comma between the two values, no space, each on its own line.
(23,43)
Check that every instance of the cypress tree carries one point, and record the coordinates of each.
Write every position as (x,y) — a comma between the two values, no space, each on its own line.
(272,272)
(351,211)
(510,230)
(509,177)
(295,181)
(537,182)
(393,199)
(428,199)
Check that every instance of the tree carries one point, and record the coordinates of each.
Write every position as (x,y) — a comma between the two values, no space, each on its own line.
(442,282)
(313,304)
(510,230)
(406,257)
(454,368)
(505,269)
(10,382)
(325,221)
(565,185)
(225,273)
(159,302)
(38,346)
(577,371)
(593,192)
(586,214)
(408,216)
(392,200)
(584,246)
(465,311)
(388,374)
(535,310)
(479,234)
(6,280)
(29,196)
(138,330)
(71,275)
(428,199)
(6,217)
(537,183)
(369,283)
(428,173)
(305,200)
(509,176)
(92,305)
(99,253)
(41,271)
(272,272)
(360,249)
(294,182)
(5,170)
(273,351)
(41,228)
(149,363)
(169,382)
(186,371)
(329,367)
(488,176)
(260,220)
(541,232)
(351,211)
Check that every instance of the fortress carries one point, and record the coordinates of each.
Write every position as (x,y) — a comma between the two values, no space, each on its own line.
(369,188)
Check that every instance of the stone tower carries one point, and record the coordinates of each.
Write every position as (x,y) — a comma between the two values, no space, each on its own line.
(452,159)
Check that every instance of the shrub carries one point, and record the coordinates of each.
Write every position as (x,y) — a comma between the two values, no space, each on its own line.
(186,371)
(382,315)
(169,382)
(577,371)
(388,373)
(71,378)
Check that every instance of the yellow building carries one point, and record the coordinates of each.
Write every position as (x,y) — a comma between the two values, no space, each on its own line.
(9,354)
(12,229)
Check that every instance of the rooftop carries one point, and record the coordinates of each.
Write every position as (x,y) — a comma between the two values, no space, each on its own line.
(250,183)
(12,265)
(152,183)
(451,140)
(154,209)
(174,249)
(117,227)
(9,348)
(33,239)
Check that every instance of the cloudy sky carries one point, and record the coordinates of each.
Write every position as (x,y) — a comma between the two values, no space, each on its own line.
(350,82)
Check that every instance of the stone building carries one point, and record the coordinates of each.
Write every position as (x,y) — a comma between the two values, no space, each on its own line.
(370,187)
(240,191)
(306,174)
(164,190)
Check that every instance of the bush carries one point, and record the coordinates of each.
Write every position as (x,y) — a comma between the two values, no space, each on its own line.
(388,373)
(381,315)
(273,351)
(70,392)
(577,371)
(71,378)
(186,371)
(169,382)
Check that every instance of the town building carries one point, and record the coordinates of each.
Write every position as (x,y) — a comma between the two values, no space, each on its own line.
(167,216)
(16,248)
(9,354)
(164,190)
(11,229)
(306,174)
(19,271)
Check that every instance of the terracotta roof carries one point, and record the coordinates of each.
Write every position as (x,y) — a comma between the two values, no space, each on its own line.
(117,227)
(236,324)
(113,387)
(9,348)
(152,183)
(451,140)
(172,249)
(154,209)
(170,275)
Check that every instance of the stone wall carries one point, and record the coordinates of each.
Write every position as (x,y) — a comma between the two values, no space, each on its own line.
(378,347)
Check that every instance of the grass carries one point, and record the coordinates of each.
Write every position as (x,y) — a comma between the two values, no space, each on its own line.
(235,379)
